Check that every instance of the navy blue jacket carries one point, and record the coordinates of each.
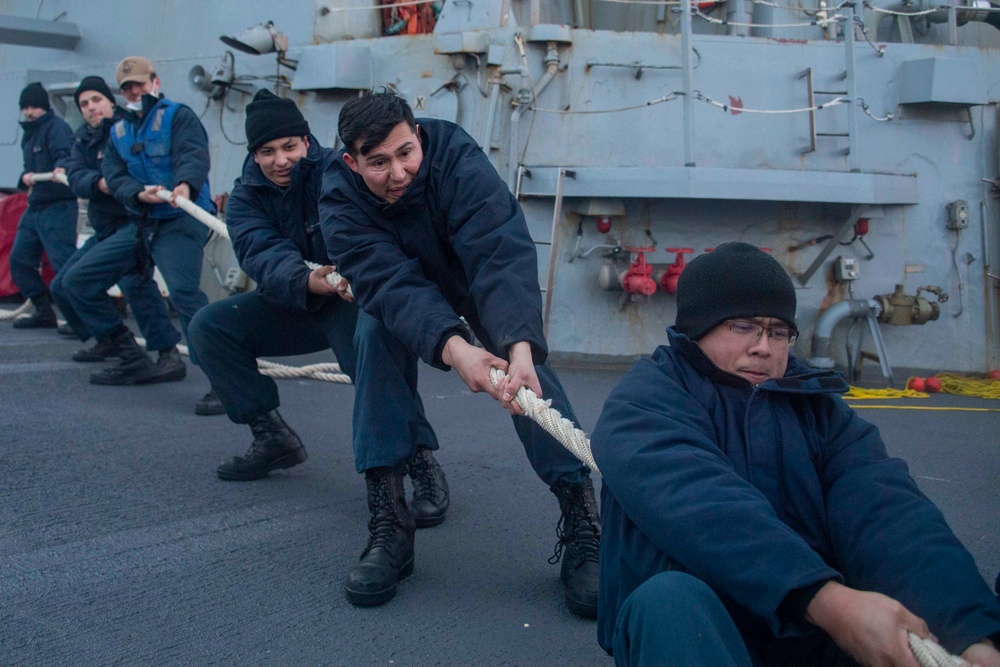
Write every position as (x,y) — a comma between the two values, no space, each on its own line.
(188,155)
(46,144)
(766,492)
(455,243)
(83,168)
(274,229)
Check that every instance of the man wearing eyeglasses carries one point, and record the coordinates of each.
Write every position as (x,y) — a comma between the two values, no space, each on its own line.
(751,517)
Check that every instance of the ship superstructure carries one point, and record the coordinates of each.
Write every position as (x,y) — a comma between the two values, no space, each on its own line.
(855,141)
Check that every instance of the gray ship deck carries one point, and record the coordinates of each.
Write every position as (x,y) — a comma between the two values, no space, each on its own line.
(119,545)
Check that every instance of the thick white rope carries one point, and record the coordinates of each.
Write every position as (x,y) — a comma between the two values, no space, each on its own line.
(327,372)
(930,654)
(17,312)
(560,428)
(49,176)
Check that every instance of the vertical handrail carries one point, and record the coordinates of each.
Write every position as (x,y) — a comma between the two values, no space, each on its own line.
(853,156)
(811,102)
(953,22)
(688,80)
(553,248)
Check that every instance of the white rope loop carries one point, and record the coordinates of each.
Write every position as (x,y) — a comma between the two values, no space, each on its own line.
(560,428)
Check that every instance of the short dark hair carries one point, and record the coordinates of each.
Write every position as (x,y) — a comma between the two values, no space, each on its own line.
(370,119)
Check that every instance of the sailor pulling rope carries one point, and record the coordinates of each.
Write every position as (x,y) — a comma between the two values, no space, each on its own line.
(24,307)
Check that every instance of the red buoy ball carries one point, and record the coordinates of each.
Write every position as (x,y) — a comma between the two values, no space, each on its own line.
(916,384)
(933,385)
(994,375)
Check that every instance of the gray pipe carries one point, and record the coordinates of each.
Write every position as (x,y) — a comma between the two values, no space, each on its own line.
(491,113)
(552,66)
(830,318)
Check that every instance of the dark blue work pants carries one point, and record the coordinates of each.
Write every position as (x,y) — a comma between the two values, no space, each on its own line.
(143,296)
(675,618)
(176,246)
(551,461)
(50,228)
(388,418)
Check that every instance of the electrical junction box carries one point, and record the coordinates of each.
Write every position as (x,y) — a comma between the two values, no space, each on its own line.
(958,214)
(845,269)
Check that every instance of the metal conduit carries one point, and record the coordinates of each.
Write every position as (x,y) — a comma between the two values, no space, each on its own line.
(831,317)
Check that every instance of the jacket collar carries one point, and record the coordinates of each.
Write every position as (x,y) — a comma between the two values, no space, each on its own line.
(799,378)
(253,177)
(31,126)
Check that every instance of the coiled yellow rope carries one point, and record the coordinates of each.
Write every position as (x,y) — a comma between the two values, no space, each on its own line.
(859,393)
(969,385)
(976,386)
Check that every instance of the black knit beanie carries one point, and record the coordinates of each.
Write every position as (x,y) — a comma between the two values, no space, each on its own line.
(734,280)
(271,117)
(93,83)
(34,95)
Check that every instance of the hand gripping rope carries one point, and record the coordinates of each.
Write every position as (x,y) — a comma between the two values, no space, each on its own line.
(24,307)
(560,428)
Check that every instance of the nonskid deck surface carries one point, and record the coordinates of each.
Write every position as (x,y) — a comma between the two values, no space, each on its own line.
(119,545)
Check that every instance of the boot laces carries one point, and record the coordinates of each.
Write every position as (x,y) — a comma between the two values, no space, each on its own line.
(425,483)
(578,532)
(382,526)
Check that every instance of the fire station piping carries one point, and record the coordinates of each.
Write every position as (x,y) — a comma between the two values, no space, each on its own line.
(493,104)
(552,67)
(491,112)
(831,317)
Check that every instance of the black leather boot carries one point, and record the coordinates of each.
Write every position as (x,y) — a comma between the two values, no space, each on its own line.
(389,554)
(169,367)
(430,489)
(43,317)
(275,445)
(134,366)
(579,533)
(99,351)
(209,404)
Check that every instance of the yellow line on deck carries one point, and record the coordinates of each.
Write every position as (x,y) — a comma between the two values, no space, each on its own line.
(920,407)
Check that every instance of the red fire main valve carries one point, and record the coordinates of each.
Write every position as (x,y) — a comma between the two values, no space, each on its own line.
(668,282)
(638,279)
